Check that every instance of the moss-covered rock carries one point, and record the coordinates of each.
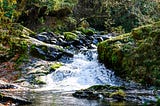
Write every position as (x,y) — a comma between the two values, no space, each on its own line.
(40,80)
(13,49)
(86,31)
(135,55)
(69,36)
(119,95)
(46,52)
(55,65)
(14,38)
(100,91)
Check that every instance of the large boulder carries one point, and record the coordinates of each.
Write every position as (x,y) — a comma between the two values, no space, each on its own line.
(134,56)
(48,52)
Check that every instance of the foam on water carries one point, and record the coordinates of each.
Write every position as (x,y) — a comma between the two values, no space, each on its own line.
(84,71)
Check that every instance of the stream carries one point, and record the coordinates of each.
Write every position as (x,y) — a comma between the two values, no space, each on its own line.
(82,71)
(67,85)
(79,72)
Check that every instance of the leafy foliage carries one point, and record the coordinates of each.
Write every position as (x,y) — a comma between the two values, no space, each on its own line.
(7,10)
(109,14)
(135,12)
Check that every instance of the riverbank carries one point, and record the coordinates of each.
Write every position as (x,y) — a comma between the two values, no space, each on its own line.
(70,62)
(134,56)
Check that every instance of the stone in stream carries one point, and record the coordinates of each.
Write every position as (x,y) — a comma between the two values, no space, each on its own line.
(62,42)
(48,53)
(71,40)
(43,38)
(6,98)
(47,37)
(117,94)
(8,94)
(7,86)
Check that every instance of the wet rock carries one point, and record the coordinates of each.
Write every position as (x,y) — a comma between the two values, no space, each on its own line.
(62,42)
(35,79)
(6,98)
(117,94)
(76,43)
(5,85)
(96,92)
(7,95)
(68,53)
(38,70)
(69,36)
(42,37)
(100,39)
(92,46)
(87,31)
(47,37)
(86,94)
(70,40)
(48,53)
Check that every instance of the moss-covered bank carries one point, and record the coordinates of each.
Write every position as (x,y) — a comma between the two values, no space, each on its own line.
(134,56)
(13,49)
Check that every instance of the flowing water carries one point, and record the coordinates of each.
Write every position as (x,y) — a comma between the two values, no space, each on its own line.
(80,72)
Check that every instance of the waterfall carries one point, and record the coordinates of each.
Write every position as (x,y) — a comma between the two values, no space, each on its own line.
(84,71)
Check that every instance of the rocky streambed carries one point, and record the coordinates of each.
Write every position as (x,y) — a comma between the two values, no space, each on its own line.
(64,70)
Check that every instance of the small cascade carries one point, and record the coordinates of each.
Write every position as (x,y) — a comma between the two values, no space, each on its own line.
(84,71)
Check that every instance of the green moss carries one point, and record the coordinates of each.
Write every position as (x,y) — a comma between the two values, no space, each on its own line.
(89,31)
(60,48)
(14,40)
(141,32)
(86,31)
(114,58)
(69,36)
(120,93)
(134,56)
(22,58)
(1,95)
(40,82)
(56,65)
(136,33)
(121,103)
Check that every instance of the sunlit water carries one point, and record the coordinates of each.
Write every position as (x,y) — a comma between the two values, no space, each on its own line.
(80,72)
(84,71)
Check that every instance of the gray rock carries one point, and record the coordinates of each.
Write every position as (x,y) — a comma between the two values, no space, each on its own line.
(48,53)
(42,38)
(9,97)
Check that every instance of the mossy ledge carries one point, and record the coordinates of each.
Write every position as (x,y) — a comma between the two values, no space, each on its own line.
(134,56)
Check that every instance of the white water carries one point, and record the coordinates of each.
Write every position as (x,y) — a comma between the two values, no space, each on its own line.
(84,71)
